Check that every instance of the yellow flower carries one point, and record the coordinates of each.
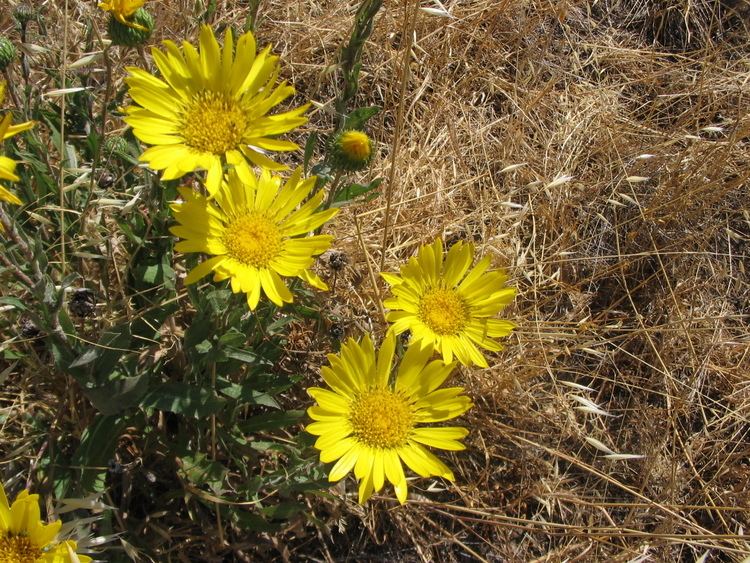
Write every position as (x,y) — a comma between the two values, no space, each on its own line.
(257,233)
(8,165)
(372,425)
(210,108)
(444,302)
(23,537)
(351,150)
(123,10)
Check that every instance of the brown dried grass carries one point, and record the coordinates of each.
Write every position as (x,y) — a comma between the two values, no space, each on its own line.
(631,274)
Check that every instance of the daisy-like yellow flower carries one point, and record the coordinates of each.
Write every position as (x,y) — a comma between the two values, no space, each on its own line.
(210,108)
(123,10)
(257,233)
(444,302)
(25,539)
(371,424)
(8,165)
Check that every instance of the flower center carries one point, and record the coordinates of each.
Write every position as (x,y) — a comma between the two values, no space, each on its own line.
(444,311)
(253,239)
(381,419)
(213,123)
(356,145)
(18,549)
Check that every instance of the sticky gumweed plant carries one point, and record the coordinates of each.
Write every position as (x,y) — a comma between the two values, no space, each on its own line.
(188,375)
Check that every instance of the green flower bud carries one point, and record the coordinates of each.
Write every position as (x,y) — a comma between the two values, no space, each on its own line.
(351,150)
(7,52)
(127,36)
(23,14)
(115,146)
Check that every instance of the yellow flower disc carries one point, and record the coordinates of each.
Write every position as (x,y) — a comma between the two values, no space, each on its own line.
(213,123)
(444,311)
(253,239)
(381,418)
(18,549)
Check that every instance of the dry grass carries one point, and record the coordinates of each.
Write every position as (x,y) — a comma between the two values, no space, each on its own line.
(625,226)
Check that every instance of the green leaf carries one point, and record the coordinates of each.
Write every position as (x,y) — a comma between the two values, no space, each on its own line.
(282,511)
(232,338)
(245,394)
(152,273)
(348,193)
(251,522)
(357,118)
(118,395)
(246,356)
(13,301)
(270,421)
(97,447)
(198,332)
(202,471)
(218,299)
(185,399)
(204,347)
(106,354)
(323,173)
(69,279)
(312,140)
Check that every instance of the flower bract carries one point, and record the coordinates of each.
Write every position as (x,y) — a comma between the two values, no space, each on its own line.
(25,539)
(257,233)
(8,165)
(441,299)
(371,422)
(136,31)
(123,10)
(210,108)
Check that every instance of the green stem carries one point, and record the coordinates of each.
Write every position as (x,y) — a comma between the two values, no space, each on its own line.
(331,197)
(351,55)
(252,15)
(98,154)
